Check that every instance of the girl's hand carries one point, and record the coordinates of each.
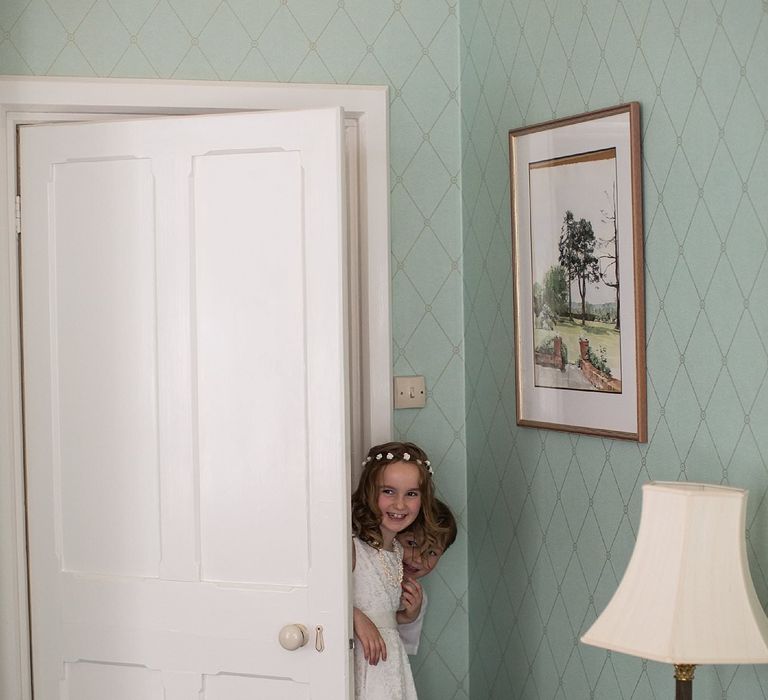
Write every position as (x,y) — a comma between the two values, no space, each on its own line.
(374,648)
(411,601)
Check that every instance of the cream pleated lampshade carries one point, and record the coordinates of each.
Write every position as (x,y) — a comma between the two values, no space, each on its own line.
(687,596)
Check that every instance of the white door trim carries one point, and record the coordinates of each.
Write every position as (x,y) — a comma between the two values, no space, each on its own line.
(367,104)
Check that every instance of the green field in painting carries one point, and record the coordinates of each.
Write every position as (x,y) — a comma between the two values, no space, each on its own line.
(599,335)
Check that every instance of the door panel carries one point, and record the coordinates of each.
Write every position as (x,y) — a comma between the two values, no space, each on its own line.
(183,299)
(106,457)
(240,688)
(251,365)
(87,681)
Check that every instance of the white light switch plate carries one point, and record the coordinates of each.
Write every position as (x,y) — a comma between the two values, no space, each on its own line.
(410,392)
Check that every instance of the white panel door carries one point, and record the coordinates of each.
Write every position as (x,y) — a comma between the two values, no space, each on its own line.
(185,417)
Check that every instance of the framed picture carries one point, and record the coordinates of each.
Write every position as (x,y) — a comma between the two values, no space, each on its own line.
(577,248)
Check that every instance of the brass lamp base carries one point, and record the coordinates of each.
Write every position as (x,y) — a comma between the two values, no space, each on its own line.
(684,681)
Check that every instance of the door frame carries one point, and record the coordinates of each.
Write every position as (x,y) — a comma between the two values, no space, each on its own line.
(368,105)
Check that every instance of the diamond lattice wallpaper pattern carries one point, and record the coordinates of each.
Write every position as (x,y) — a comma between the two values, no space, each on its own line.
(553,516)
(411,46)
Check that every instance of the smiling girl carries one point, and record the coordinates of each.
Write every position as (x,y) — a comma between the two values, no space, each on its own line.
(395,491)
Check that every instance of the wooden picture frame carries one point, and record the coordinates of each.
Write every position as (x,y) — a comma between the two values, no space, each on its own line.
(577,255)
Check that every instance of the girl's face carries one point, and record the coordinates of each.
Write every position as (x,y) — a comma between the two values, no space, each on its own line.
(399,498)
(415,564)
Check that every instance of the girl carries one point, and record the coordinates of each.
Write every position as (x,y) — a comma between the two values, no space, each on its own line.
(394,492)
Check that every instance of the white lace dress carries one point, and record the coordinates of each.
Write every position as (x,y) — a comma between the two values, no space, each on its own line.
(377,594)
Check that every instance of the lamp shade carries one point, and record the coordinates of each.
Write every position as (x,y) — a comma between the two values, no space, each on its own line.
(687,596)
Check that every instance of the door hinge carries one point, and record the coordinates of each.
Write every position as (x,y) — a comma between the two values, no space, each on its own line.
(18,215)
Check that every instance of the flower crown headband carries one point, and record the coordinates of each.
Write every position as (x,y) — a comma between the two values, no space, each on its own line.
(406,458)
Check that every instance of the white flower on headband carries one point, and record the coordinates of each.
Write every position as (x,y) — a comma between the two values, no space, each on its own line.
(390,455)
(429,469)
(378,456)
(406,456)
(366,460)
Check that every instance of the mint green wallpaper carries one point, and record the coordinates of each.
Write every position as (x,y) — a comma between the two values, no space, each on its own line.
(411,46)
(552,517)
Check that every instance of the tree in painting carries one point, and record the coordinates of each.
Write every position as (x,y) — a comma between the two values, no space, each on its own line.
(609,272)
(555,292)
(577,257)
(566,261)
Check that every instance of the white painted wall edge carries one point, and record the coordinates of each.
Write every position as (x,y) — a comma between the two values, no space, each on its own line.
(368,104)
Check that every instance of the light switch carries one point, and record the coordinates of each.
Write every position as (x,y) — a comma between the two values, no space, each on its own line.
(410,392)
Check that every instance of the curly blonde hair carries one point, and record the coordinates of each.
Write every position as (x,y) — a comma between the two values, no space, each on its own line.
(366,516)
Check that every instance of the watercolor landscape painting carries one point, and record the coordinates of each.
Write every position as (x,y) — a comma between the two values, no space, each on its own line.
(575,272)
(577,257)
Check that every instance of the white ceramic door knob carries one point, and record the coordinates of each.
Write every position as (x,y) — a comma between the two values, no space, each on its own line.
(293,636)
